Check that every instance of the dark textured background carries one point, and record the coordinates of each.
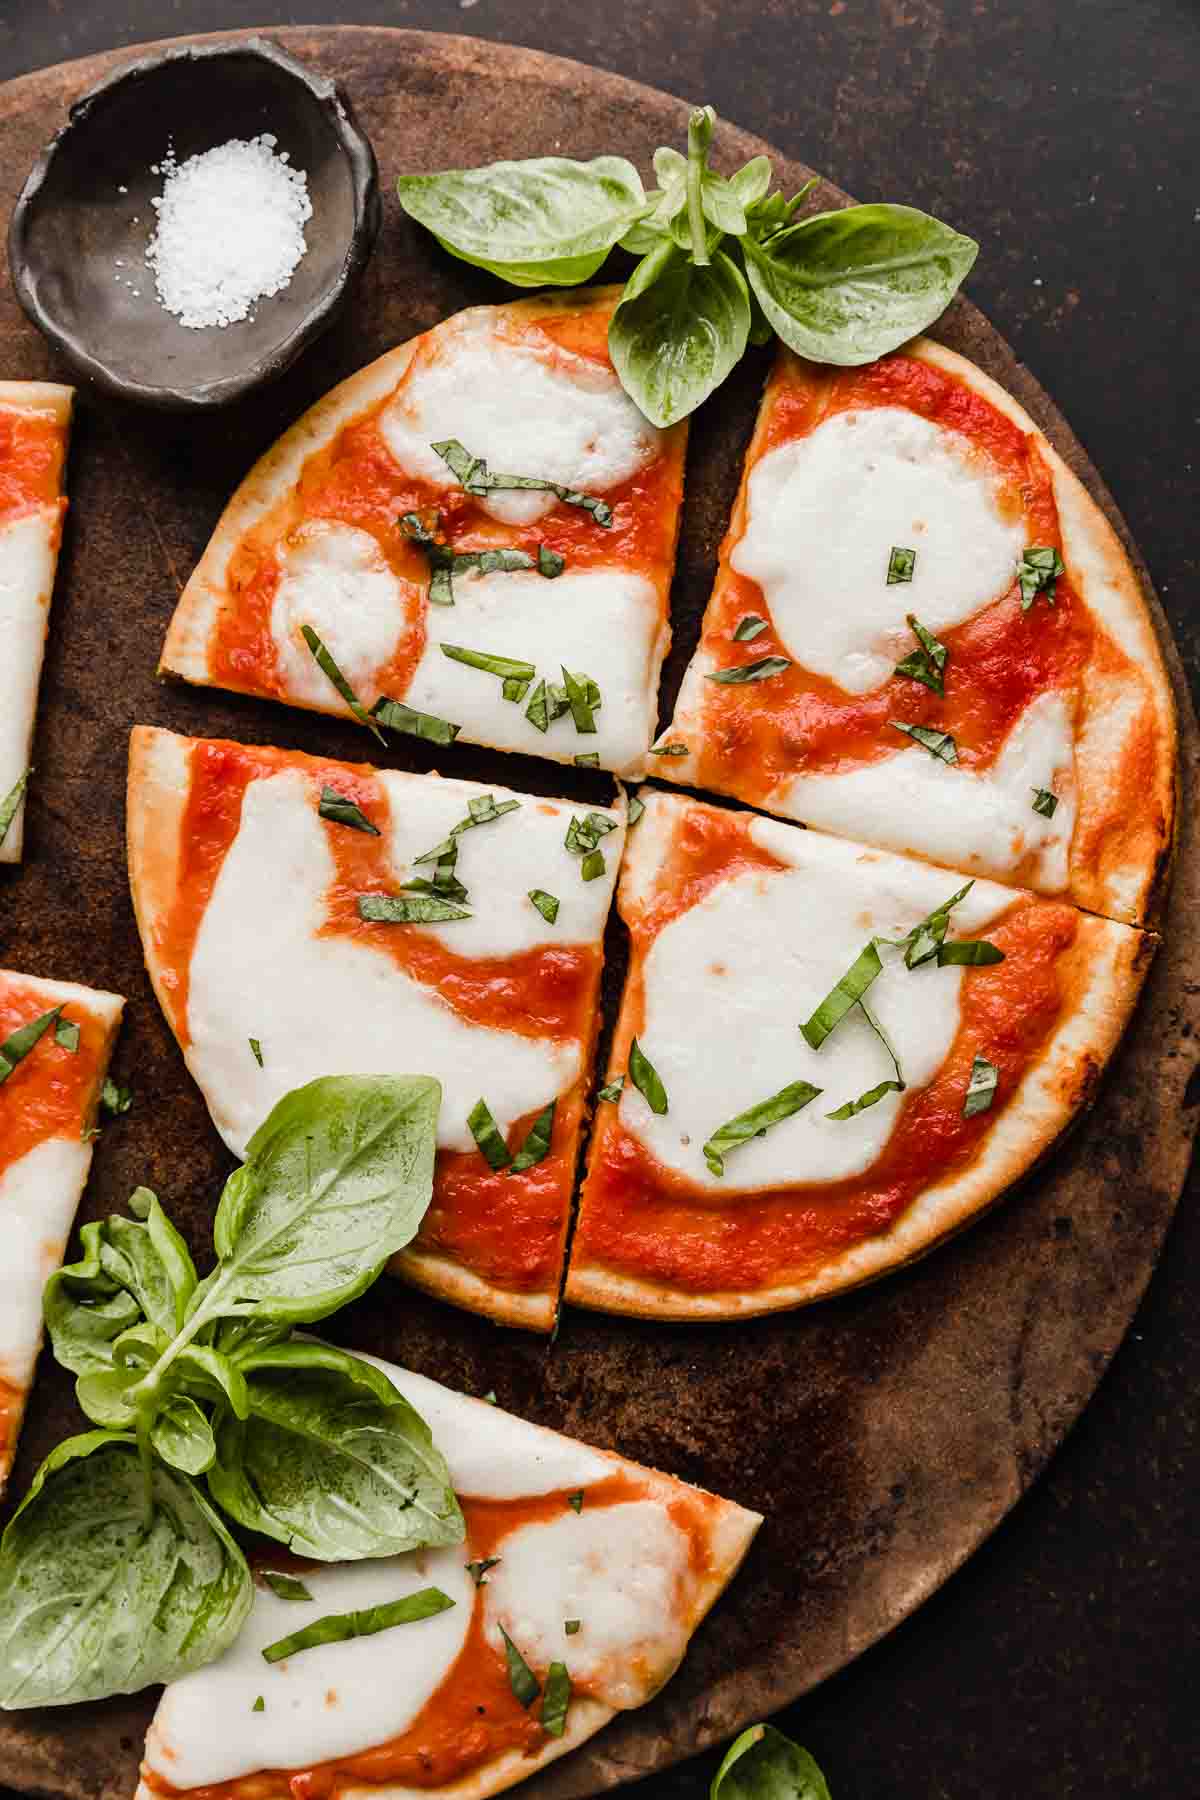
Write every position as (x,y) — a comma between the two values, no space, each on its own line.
(1063,1660)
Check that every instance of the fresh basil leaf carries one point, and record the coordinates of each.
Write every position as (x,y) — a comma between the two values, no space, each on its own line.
(901,565)
(478,1570)
(678,331)
(183,1437)
(1038,572)
(398,717)
(669,750)
(755,1121)
(762,1764)
(549,562)
(11,803)
(104,1397)
(521,1678)
(338,1628)
(645,1078)
(938,743)
(772,212)
(487,1135)
(66,1035)
(593,865)
(100,1595)
(328,667)
(847,993)
(751,181)
(209,1374)
(86,1309)
(722,204)
(981,1088)
(536,1147)
(762,670)
(504,666)
(612,1089)
(973,952)
(749,627)
(16,1048)
(397,909)
(544,221)
(114,1099)
(577,700)
(546,904)
(556,1700)
(474,476)
(927,663)
(636,808)
(1044,802)
(340,811)
(846,287)
(147,1256)
(285,1587)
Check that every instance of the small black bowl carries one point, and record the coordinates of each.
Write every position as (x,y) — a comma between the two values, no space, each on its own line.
(73,222)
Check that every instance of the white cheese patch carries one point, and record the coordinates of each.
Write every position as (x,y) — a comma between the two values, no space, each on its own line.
(825,512)
(336,579)
(325,1005)
(729,982)
(527,411)
(619,1570)
(26,578)
(322,1703)
(38,1197)
(974,820)
(598,622)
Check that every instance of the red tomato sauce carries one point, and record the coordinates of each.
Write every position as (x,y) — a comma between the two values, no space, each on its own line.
(32,449)
(642,1219)
(49,1094)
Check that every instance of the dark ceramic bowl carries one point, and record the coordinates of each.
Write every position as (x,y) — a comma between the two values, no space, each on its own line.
(74,221)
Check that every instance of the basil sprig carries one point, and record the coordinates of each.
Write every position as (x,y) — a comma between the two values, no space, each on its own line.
(755,1121)
(724,261)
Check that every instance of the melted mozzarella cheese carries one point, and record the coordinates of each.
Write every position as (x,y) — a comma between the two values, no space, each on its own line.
(969,820)
(26,578)
(38,1197)
(326,1005)
(619,1570)
(728,982)
(825,512)
(322,1703)
(545,412)
(598,622)
(336,579)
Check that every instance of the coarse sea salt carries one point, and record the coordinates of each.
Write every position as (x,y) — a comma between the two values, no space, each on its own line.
(230,230)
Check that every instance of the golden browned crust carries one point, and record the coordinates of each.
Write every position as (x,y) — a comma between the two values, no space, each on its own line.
(449,1280)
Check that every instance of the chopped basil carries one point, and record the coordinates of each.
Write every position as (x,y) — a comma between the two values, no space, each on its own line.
(521,1678)
(669,750)
(537,1145)
(571,1626)
(478,1570)
(336,1628)
(927,663)
(445,563)
(593,865)
(644,1077)
(1038,572)
(925,939)
(256,1048)
(340,811)
(538,711)
(489,1398)
(260,1705)
(872,1095)
(330,670)
(66,1035)
(16,1048)
(588,759)
(847,993)
(556,1700)
(285,1587)
(513,689)
(577,700)
(901,564)
(1044,802)
(575,1500)
(762,670)
(115,1100)
(549,562)
(981,1088)
(585,834)
(400,909)
(749,627)
(636,809)
(755,1121)
(612,1089)
(486,1133)
(973,952)
(938,743)
(10,803)
(546,904)
(474,476)
(398,717)
(506,667)
(483,808)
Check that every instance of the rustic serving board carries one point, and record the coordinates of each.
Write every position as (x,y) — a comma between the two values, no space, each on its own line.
(884,1434)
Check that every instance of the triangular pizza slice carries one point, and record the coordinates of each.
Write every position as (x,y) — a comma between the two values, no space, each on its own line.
(580,1582)
(55,1042)
(925,635)
(302,917)
(479,527)
(828,1058)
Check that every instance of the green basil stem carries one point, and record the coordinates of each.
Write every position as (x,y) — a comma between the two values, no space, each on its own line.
(699,134)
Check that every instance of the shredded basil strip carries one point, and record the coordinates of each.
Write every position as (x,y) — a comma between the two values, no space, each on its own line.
(901,564)
(847,993)
(749,627)
(549,562)
(330,670)
(398,717)
(571,1626)
(336,1628)
(486,1133)
(478,1570)
(762,670)
(588,759)
(755,1121)
(556,1700)
(66,1035)
(256,1050)
(593,865)
(546,904)
(285,1586)
(575,1501)
(612,1089)
(537,1145)
(514,690)
(872,1095)
(10,803)
(645,1079)
(260,1705)
(115,1100)
(585,834)
(341,811)
(1038,572)
(938,743)
(981,1088)
(400,909)
(922,943)
(506,667)
(636,809)
(474,476)
(482,809)
(669,750)
(972,952)
(928,662)
(521,1678)
(1044,802)
(577,700)
(16,1048)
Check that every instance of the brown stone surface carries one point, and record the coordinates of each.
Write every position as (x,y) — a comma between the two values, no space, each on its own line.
(884,1435)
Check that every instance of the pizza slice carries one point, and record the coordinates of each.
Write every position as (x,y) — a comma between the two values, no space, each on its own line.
(574,1596)
(55,1042)
(925,635)
(480,527)
(829,1057)
(35,418)
(302,917)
